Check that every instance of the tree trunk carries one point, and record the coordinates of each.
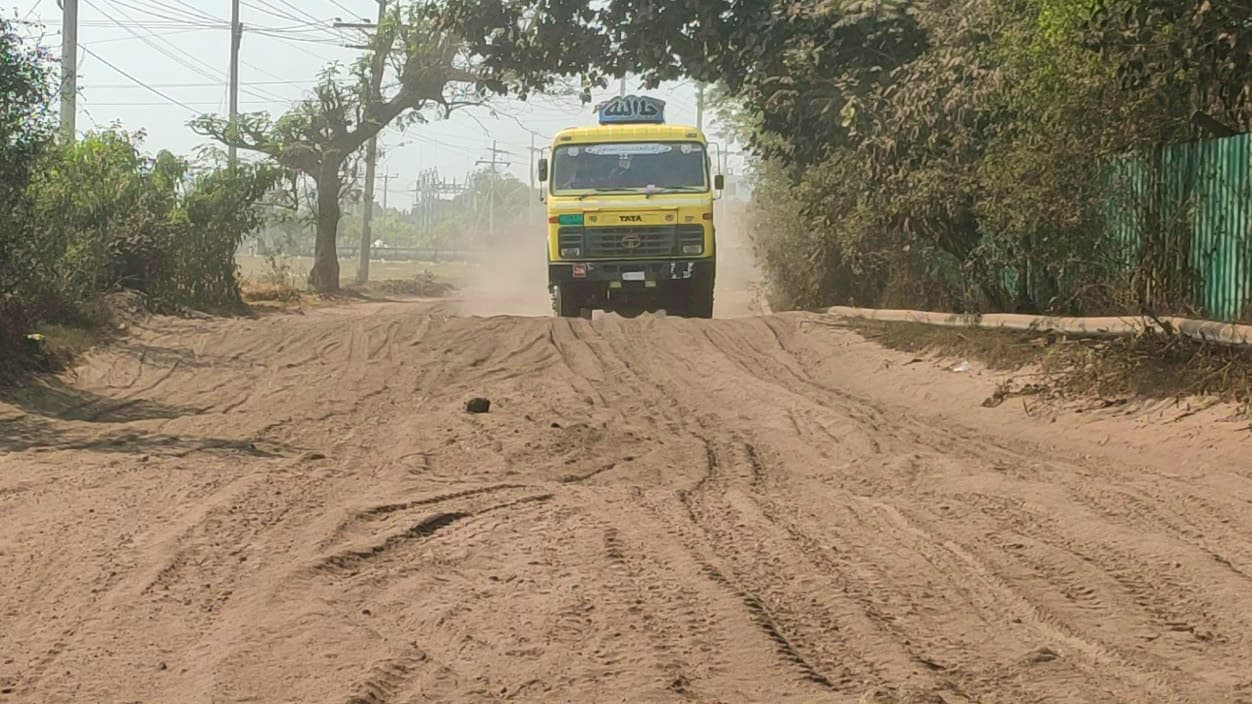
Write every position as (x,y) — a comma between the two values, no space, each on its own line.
(324,278)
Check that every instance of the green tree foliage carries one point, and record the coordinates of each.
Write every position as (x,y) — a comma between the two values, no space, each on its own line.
(78,221)
(99,216)
(802,64)
(108,218)
(1193,57)
(27,125)
(937,153)
(27,122)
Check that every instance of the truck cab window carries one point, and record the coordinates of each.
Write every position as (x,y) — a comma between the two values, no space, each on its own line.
(630,166)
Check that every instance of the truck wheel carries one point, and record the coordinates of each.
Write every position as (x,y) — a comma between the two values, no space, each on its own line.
(565,303)
(700,303)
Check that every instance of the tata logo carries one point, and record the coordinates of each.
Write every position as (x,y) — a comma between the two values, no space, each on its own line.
(632,218)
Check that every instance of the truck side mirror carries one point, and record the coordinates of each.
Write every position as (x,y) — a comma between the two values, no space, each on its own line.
(543,170)
(719,182)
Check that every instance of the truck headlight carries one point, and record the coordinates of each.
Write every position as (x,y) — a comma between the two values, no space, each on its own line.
(693,249)
(571,252)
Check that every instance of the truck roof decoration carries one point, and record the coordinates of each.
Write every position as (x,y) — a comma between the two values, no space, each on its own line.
(632,109)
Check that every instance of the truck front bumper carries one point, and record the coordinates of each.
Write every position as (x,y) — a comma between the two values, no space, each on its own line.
(630,272)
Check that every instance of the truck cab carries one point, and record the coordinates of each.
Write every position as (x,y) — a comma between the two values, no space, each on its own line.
(630,215)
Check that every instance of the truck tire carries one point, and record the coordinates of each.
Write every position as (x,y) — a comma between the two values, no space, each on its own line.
(700,305)
(694,300)
(565,303)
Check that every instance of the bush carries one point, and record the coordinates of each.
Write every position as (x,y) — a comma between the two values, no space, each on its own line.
(111,218)
(99,216)
(976,169)
(27,125)
(82,220)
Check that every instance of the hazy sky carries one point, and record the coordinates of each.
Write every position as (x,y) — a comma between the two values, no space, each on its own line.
(180,50)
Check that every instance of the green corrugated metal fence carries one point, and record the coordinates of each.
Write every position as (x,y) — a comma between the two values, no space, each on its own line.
(1181,220)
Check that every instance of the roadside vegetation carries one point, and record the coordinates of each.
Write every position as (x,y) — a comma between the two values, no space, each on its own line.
(79,221)
(969,156)
(960,156)
(83,220)
(1106,371)
(964,156)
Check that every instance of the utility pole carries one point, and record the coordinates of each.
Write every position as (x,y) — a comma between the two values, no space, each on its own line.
(386,186)
(371,167)
(530,195)
(367,216)
(236,38)
(69,70)
(700,107)
(491,192)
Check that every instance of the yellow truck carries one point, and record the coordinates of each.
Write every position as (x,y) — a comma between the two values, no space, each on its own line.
(630,214)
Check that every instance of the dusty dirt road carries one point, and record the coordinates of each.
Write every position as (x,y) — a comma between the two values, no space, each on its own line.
(764,509)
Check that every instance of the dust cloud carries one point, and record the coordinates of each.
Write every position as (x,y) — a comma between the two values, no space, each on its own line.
(510,278)
(738,278)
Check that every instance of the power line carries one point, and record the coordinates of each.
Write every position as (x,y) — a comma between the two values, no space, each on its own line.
(115,40)
(202,69)
(153,24)
(296,44)
(265,8)
(350,13)
(306,20)
(521,124)
(32,10)
(176,10)
(298,10)
(155,91)
(174,17)
(214,84)
(194,10)
(322,41)
(137,104)
(259,69)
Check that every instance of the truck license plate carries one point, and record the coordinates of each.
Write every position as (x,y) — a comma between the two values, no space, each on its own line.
(634,276)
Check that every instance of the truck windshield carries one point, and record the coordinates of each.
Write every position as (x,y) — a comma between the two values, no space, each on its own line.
(630,166)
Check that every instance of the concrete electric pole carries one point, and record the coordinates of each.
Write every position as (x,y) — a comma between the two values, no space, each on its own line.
(491,193)
(530,196)
(371,167)
(387,187)
(69,70)
(236,38)
(367,216)
(700,107)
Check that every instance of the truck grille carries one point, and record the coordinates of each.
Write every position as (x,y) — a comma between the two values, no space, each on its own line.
(690,234)
(630,242)
(570,238)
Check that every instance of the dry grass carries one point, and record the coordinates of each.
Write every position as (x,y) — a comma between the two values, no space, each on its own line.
(269,292)
(279,284)
(423,285)
(53,347)
(1153,366)
(296,270)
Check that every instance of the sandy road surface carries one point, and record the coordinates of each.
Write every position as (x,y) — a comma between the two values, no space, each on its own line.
(768,509)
